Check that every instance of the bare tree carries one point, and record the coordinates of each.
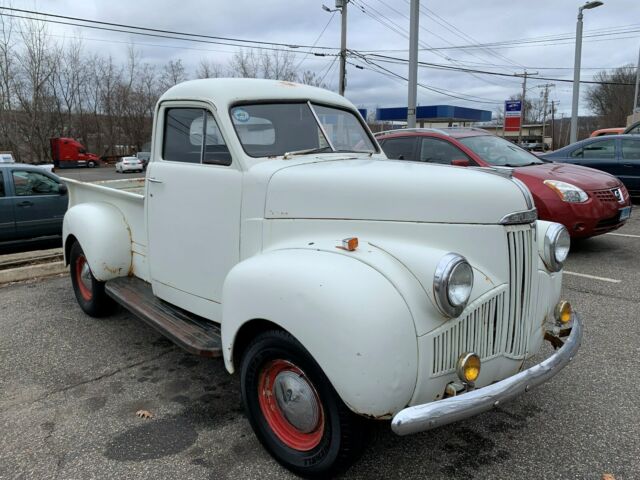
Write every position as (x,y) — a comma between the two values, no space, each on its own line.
(311,78)
(612,100)
(208,69)
(172,74)
(274,65)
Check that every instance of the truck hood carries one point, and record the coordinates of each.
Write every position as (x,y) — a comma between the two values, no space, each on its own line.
(582,177)
(370,189)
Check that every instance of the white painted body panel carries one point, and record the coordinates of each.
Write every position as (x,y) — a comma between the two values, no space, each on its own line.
(258,240)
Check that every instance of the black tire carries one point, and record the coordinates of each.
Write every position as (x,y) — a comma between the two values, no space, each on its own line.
(339,432)
(90,294)
(91,164)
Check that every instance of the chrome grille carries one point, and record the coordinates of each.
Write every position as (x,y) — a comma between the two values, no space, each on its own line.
(480,331)
(520,241)
(499,322)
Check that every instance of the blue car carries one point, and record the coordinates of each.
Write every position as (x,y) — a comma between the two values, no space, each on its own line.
(618,155)
(32,203)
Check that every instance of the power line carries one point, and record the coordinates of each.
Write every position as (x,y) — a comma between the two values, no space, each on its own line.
(157,30)
(317,39)
(441,91)
(396,60)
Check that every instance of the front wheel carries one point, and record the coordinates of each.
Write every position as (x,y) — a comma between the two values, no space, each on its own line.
(89,292)
(294,410)
(91,164)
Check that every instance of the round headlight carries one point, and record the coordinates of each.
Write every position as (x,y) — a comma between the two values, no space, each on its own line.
(556,247)
(452,284)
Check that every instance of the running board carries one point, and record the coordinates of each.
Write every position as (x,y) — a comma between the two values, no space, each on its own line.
(195,334)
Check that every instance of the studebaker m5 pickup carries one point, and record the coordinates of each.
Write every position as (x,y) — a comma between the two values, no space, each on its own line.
(272,231)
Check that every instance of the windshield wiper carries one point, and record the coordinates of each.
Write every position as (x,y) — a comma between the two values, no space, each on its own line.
(305,151)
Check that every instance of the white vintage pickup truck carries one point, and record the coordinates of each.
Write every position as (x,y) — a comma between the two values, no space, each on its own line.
(272,231)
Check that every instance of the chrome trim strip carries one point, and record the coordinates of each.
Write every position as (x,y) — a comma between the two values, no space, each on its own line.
(442,412)
(525,192)
(324,133)
(521,217)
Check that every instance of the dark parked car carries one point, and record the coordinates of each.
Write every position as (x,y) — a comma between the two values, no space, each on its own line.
(618,155)
(32,203)
(584,200)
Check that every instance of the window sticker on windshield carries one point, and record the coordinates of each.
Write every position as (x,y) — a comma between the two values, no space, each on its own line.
(241,115)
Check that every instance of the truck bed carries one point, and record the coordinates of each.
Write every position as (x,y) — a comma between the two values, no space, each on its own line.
(126,195)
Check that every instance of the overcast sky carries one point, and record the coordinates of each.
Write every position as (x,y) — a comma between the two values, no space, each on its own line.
(301,22)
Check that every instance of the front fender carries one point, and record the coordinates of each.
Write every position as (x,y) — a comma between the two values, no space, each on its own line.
(104,237)
(348,316)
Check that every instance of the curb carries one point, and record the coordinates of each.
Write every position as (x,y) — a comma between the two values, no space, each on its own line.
(31,272)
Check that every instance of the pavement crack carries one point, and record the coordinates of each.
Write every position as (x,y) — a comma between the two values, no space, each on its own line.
(91,380)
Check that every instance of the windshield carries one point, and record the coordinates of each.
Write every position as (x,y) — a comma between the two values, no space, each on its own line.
(274,129)
(499,152)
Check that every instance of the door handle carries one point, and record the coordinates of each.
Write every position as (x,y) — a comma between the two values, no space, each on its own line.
(26,203)
(627,165)
(154,180)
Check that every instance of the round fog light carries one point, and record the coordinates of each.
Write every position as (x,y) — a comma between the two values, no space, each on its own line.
(563,312)
(468,368)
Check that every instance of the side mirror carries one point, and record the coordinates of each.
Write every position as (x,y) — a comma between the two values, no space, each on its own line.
(62,189)
(460,162)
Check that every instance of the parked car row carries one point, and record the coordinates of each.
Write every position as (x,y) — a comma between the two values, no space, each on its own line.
(586,201)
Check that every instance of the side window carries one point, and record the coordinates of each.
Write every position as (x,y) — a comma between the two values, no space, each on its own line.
(631,149)
(191,135)
(635,130)
(603,149)
(2,194)
(577,153)
(434,150)
(33,183)
(400,148)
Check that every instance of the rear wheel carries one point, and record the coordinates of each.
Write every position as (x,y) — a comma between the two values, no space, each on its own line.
(294,410)
(89,292)
(91,164)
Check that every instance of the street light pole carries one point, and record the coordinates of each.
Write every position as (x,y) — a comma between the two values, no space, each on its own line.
(576,70)
(413,63)
(635,98)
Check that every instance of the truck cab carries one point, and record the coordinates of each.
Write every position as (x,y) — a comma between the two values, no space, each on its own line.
(271,230)
(68,153)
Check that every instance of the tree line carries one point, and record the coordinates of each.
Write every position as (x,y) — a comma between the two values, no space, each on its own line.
(58,89)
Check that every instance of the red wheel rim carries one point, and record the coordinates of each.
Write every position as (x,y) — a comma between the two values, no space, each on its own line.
(299,423)
(82,272)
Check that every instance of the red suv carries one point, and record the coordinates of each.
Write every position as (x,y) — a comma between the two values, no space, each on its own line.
(586,201)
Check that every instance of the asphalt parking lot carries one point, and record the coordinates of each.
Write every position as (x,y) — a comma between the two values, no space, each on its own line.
(70,387)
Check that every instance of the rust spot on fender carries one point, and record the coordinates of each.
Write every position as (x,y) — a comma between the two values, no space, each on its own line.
(112,270)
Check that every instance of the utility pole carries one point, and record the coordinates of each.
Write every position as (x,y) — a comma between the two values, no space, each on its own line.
(576,70)
(413,63)
(553,124)
(523,99)
(544,109)
(342,5)
(635,98)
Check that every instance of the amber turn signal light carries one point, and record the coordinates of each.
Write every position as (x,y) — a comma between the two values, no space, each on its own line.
(350,243)
(468,367)
(563,312)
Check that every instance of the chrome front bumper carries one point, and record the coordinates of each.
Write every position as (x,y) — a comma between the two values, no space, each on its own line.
(442,412)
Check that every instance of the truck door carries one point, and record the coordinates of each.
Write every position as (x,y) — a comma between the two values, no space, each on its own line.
(193,209)
(7,222)
(38,205)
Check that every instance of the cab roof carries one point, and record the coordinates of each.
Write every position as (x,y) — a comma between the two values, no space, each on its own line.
(224,92)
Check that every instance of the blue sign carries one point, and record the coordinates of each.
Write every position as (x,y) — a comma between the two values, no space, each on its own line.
(512,108)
